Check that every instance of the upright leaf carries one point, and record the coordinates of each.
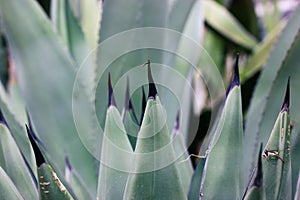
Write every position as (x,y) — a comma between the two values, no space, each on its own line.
(277,162)
(282,62)
(7,188)
(116,155)
(224,156)
(15,165)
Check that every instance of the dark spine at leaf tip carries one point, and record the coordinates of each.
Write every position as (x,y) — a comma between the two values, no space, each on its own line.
(39,158)
(236,77)
(152,87)
(286,102)
(2,119)
(177,122)
(111,98)
(68,164)
(259,175)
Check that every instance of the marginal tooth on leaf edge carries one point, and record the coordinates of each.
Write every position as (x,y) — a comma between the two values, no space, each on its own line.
(236,77)
(152,87)
(39,158)
(286,102)
(259,175)
(111,98)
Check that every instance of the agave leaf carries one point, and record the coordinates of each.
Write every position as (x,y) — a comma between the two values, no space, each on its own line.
(46,76)
(76,183)
(3,61)
(50,186)
(220,19)
(16,102)
(15,165)
(17,130)
(194,190)
(154,174)
(297,193)
(90,18)
(282,62)
(184,164)
(261,53)
(7,188)
(224,156)
(115,157)
(277,160)
(256,191)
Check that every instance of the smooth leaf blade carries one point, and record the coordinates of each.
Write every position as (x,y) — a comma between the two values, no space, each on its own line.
(277,162)
(17,130)
(224,157)
(116,156)
(7,188)
(15,165)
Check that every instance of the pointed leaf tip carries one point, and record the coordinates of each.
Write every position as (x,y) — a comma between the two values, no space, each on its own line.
(236,76)
(111,98)
(259,175)
(39,158)
(286,101)
(68,164)
(2,119)
(152,87)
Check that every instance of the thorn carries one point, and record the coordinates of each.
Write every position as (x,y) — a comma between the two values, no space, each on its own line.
(152,87)
(259,175)
(144,104)
(2,119)
(111,98)
(39,158)
(286,102)
(68,164)
(236,77)
(177,122)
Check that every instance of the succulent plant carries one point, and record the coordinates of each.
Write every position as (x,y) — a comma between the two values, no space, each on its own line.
(76,121)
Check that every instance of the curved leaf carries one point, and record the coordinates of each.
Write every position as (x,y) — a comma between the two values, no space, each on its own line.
(17,130)
(46,76)
(221,20)
(7,189)
(15,165)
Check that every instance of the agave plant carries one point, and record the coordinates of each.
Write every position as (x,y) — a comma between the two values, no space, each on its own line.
(66,133)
